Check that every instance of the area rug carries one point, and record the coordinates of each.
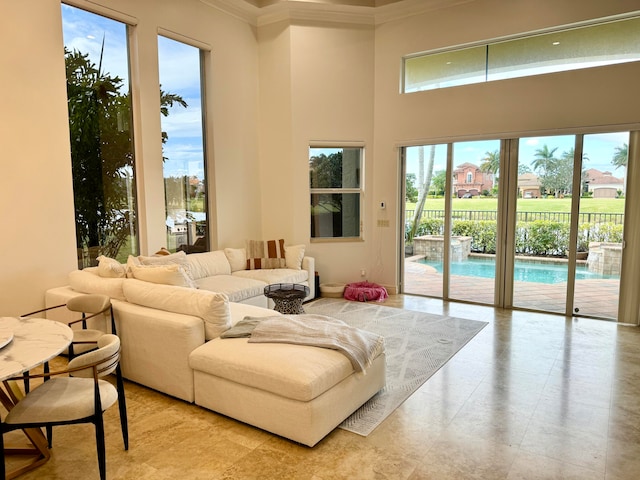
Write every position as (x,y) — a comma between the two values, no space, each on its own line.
(417,344)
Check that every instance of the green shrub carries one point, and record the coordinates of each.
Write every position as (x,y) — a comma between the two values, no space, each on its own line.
(482,232)
(543,238)
(537,238)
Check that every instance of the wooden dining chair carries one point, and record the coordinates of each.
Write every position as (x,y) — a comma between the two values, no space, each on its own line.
(74,395)
(88,306)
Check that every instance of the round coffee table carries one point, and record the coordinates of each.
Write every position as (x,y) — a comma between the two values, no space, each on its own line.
(287,297)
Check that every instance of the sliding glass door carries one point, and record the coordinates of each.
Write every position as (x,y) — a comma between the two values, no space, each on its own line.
(450,220)
(425,169)
(600,225)
(556,247)
(543,222)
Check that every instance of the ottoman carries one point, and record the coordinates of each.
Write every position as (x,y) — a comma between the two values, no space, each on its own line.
(299,392)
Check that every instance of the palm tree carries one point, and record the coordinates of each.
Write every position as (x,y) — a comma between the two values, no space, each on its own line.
(544,159)
(490,164)
(417,214)
(545,163)
(620,159)
(565,168)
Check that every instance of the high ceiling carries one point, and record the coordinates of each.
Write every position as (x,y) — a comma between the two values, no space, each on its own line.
(357,3)
(259,12)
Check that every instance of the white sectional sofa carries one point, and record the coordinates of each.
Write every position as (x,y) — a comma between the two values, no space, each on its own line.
(170,342)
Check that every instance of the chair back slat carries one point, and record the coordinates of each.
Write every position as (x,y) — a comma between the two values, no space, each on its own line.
(100,362)
(92,303)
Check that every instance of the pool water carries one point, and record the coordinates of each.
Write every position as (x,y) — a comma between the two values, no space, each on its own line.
(524,271)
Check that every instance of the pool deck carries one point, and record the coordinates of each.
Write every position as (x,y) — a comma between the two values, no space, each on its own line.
(598,298)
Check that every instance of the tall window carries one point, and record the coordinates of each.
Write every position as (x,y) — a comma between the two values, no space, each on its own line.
(101,135)
(336,191)
(185,182)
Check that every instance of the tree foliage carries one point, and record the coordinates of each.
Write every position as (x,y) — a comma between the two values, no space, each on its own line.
(411,192)
(621,156)
(490,163)
(101,155)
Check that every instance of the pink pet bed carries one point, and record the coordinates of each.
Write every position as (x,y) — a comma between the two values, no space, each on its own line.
(365,291)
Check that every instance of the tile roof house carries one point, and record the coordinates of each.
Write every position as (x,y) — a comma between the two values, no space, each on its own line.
(468,179)
(602,184)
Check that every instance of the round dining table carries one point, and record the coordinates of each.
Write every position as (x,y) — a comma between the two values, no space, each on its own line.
(26,343)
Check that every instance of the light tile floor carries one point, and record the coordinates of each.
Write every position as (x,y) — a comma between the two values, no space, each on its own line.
(532,396)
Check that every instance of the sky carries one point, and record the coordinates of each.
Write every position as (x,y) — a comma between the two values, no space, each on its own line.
(599,149)
(179,74)
(179,66)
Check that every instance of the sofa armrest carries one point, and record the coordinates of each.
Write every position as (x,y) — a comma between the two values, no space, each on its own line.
(309,264)
(156,347)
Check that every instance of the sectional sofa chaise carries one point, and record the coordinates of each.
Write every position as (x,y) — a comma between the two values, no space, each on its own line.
(170,312)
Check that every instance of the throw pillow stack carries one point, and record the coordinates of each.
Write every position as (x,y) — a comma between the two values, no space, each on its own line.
(165,269)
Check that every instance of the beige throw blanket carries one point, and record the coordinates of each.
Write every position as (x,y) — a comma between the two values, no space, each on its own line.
(360,346)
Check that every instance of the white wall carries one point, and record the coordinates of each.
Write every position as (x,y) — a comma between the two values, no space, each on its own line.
(273,90)
(605,96)
(37,244)
(36,208)
(329,98)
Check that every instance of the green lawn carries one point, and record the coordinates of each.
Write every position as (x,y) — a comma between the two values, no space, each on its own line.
(587,205)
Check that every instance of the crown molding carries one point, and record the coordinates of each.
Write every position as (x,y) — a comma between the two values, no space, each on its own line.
(297,10)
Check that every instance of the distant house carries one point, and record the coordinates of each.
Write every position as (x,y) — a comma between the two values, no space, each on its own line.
(468,179)
(528,185)
(602,184)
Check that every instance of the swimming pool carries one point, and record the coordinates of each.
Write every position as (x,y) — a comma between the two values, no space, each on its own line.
(524,271)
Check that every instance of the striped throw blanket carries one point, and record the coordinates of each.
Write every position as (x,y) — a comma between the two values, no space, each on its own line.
(360,346)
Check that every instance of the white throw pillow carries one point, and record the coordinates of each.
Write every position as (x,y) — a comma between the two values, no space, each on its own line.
(132,262)
(208,264)
(111,268)
(293,255)
(212,307)
(178,258)
(164,274)
(237,258)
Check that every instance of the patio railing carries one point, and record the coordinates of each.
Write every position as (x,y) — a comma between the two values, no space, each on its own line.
(617,218)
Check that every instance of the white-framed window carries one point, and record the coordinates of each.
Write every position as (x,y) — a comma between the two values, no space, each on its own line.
(335,182)
(182,98)
(101,135)
(469,177)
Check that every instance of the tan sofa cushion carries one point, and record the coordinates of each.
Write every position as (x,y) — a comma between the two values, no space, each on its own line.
(212,307)
(292,371)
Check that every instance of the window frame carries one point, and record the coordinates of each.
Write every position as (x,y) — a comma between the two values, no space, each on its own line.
(198,233)
(465,65)
(128,173)
(360,191)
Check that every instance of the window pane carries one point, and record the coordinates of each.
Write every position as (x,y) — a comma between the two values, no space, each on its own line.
(569,49)
(447,69)
(585,47)
(334,167)
(101,135)
(183,146)
(335,215)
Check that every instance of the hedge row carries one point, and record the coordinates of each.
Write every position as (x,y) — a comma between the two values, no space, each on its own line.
(538,238)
